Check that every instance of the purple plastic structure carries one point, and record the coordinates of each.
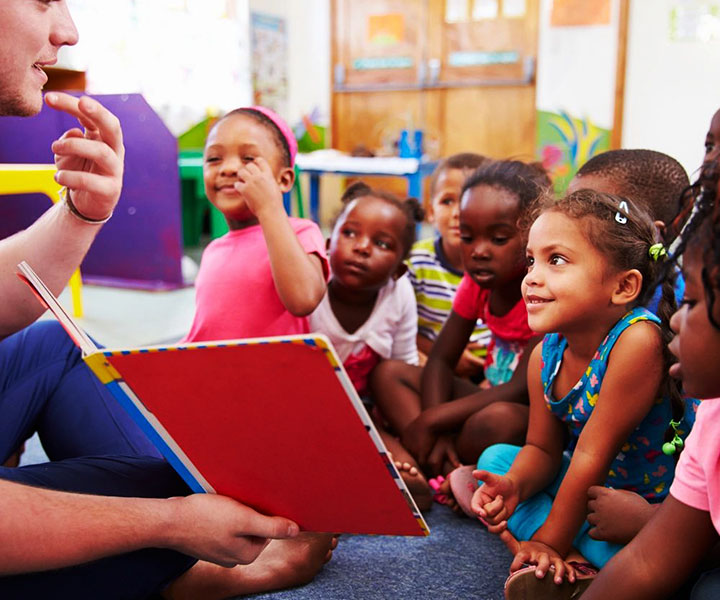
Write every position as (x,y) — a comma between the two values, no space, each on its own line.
(141,246)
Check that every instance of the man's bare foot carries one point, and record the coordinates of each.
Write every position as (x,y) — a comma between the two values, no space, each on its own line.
(409,470)
(283,564)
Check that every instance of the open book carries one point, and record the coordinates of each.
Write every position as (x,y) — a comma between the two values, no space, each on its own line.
(272,422)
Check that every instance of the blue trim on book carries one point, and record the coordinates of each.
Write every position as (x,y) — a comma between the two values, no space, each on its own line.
(154,436)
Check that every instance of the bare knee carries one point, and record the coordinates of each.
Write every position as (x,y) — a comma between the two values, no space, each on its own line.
(392,373)
(497,423)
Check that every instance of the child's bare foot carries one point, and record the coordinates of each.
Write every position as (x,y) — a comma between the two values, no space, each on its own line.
(416,484)
(410,472)
(283,564)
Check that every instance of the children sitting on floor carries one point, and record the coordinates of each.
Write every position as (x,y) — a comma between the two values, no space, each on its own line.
(688,519)
(267,274)
(600,399)
(369,310)
(435,264)
(438,417)
(657,182)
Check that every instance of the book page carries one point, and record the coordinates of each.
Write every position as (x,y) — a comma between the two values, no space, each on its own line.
(48,299)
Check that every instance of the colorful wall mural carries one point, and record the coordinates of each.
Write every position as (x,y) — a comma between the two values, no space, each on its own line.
(565,143)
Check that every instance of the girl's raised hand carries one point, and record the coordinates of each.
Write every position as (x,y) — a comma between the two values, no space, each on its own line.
(259,188)
(90,160)
(546,558)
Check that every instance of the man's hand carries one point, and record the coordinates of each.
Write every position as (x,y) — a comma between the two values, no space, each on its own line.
(89,161)
(220,530)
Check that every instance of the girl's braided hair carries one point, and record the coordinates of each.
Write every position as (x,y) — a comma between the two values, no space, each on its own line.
(410,208)
(698,223)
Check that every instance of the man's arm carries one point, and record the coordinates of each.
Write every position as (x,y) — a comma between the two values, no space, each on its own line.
(77,528)
(90,165)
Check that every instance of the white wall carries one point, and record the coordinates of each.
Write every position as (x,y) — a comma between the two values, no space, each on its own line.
(309,53)
(672,87)
(576,68)
(186,57)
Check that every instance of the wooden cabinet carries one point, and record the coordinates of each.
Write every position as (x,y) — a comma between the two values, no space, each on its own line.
(467,79)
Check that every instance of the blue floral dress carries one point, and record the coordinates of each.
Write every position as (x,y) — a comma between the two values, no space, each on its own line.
(640,466)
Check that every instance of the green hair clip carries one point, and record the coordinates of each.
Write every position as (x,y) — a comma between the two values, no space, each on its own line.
(657,252)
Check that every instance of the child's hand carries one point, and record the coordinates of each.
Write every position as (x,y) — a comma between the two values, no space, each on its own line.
(616,515)
(469,363)
(443,452)
(495,500)
(258,187)
(419,440)
(546,558)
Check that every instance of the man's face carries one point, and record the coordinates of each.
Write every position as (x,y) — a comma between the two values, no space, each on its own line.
(31,33)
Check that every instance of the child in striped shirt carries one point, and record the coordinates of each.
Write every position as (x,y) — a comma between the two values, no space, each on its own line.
(435,265)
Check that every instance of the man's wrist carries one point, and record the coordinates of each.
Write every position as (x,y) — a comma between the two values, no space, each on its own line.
(72,209)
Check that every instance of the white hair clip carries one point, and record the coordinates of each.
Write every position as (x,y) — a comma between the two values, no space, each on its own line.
(619,217)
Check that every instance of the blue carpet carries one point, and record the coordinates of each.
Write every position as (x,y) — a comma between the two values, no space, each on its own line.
(459,559)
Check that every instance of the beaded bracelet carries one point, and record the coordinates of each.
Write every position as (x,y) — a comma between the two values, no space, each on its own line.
(72,209)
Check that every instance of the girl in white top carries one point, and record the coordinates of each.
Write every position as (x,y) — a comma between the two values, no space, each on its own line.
(369,311)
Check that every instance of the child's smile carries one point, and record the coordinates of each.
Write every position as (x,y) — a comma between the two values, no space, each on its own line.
(566,283)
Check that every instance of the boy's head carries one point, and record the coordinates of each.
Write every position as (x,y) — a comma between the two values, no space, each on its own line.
(445,189)
(654,180)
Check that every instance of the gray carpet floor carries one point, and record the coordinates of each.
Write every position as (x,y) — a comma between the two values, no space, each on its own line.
(459,560)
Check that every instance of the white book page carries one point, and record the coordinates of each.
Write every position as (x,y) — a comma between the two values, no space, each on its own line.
(48,299)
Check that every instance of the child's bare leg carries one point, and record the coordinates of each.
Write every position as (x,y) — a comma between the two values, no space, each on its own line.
(395,387)
(497,423)
(283,564)
(409,471)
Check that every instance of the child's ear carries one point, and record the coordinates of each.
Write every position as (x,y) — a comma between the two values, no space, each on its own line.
(660,227)
(429,213)
(286,179)
(628,288)
(400,271)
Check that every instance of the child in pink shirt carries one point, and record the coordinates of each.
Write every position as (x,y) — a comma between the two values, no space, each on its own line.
(685,528)
(268,273)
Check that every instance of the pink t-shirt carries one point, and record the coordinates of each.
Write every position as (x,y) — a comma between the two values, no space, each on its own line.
(235,295)
(510,333)
(697,475)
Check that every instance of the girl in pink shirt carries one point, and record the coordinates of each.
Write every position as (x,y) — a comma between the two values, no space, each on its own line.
(267,274)
(685,528)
